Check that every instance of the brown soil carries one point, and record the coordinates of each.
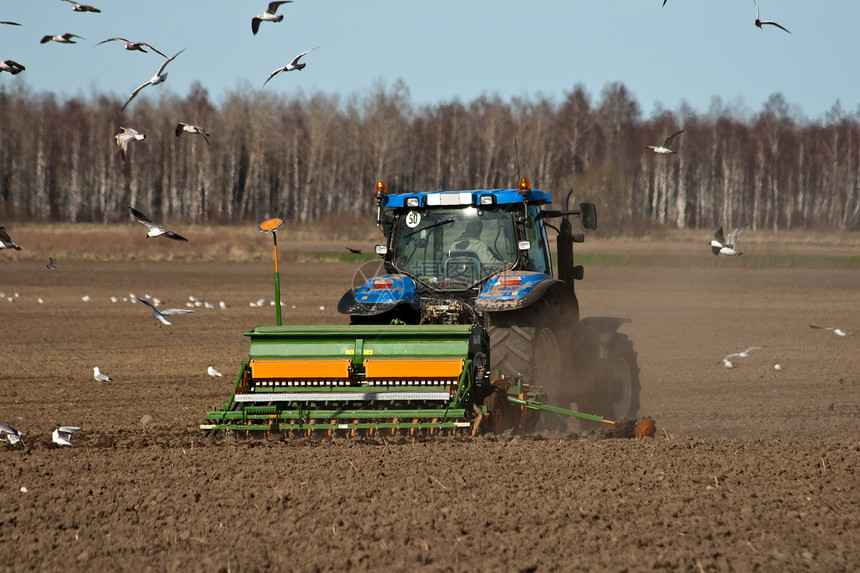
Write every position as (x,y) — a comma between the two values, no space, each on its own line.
(751,468)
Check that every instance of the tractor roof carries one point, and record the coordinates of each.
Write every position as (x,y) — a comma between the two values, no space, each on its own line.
(473,197)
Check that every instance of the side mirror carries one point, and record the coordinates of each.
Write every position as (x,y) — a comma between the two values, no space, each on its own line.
(588,216)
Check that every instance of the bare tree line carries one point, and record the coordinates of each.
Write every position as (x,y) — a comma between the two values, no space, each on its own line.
(311,156)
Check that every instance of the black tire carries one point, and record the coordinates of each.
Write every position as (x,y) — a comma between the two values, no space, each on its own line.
(530,342)
(618,385)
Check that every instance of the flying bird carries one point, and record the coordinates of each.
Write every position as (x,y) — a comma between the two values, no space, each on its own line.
(721,246)
(740,354)
(62,436)
(159,77)
(133,46)
(100,376)
(82,7)
(6,242)
(10,434)
(759,23)
(193,129)
(154,230)
(294,65)
(122,139)
(61,38)
(214,373)
(10,23)
(51,265)
(666,148)
(161,314)
(11,66)
(268,15)
(353,251)
(836,330)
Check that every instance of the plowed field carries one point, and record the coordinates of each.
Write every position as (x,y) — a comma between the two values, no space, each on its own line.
(752,468)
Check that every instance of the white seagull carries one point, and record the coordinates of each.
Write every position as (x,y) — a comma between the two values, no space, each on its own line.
(62,436)
(60,38)
(666,148)
(122,139)
(161,314)
(294,65)
(836,330)
(82,7)
(154,230)
(159,77)
(722,246)
(133,46)
(214,373)
(268,16)
(6,241)
(193,129)
(10,434)
(11,66)
(100,376)
(759,23)
(740,354)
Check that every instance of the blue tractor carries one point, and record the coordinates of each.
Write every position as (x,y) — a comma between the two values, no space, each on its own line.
(483,257)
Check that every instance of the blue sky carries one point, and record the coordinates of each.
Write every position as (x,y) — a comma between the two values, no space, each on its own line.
(688,51)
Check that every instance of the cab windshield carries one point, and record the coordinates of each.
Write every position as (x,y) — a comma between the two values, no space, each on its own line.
(456,247)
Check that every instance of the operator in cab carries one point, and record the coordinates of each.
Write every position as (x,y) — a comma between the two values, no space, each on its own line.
(470,240)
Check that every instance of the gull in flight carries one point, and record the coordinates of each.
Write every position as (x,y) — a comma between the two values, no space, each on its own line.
(721,246)
(60,38)
(11,66)
(193,129)
(740,354)
(122,139)
(666,148)
(213,373)
(62,436)
(154,230)
(759,23)
(133,46)
(100,376)
(10,434)
(268,15)
(82,7)
(836,330)
(161,314)
(6,241)
(159,77)
(294,65)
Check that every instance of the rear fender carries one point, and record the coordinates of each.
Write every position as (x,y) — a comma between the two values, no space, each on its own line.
(378,295)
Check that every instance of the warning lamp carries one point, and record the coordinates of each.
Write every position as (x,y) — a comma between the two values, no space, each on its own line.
(525,186)
(380,188)
(383,284)
(379,195)
(510,281)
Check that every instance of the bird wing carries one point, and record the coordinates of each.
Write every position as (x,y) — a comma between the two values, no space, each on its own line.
(719,236)
(296,59)
(821,327)
(772,23)
(146,302)
(69,36)
(143,219)
(46,39)
(172,311)
(111,40)
(273,74)
(756,9)
(153,49)
(733,236)
(134,94)
(255,25)
(168,60)
(4,236)
(671,139)
(174,236)
(273,6)
(68,429)
(180,127)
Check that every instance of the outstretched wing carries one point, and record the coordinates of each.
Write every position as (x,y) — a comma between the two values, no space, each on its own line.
(174,236)
(273,74)
(152,48)
(141,218)
(297,58)
(111,40)
(133,95)
(733,236)
(671,139)
(772,23)
(172,311)
(167,61)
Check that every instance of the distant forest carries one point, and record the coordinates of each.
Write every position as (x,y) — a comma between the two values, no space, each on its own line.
(309,157)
